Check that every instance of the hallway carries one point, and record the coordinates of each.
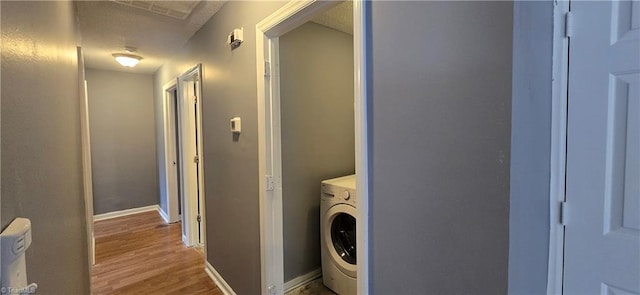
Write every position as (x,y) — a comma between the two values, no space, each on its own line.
(140,254)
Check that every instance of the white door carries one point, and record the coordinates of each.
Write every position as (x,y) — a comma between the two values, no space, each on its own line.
(191,162)
(191,148)
(173,151)
(194,94)
(602,238)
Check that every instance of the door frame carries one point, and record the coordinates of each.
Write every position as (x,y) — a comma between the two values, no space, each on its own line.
(87,176)
(559,108)
(190,203)
(285,19)
(171,180)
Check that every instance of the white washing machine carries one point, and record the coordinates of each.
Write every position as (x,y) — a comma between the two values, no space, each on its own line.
(338,234)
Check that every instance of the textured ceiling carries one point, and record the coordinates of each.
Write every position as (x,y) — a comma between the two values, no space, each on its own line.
(177,9)
(338,18)
(107,27)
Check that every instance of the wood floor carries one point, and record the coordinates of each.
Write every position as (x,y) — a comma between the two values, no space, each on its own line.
(140,254)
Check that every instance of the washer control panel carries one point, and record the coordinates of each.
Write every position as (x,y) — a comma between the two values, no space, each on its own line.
(338,194)
(339,190)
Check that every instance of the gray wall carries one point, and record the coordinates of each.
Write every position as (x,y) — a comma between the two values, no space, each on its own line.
(123,142)
(440,110)
(230,166)
(440,107)
(41,148)
(530,143)
(317,121)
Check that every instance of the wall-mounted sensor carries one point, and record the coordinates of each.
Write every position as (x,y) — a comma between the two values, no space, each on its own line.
(235,38)
(236,125)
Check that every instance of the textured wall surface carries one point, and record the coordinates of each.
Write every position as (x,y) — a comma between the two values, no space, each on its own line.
(440,116)
(317,125)
(230,166)
(123,142)
(41,148)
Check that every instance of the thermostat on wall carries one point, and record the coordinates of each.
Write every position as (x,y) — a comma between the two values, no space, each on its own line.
(236,125)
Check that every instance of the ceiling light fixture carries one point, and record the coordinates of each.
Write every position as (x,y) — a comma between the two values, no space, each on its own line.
(128,59)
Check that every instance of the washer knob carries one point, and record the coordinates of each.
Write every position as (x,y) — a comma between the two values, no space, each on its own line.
(346,196)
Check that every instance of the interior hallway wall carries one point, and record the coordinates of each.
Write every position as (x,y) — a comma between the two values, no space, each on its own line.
(41,147)
(440,117)
(317,125)
(230,166)
(123,140)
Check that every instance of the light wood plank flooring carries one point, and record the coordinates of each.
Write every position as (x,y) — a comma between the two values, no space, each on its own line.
(140,254)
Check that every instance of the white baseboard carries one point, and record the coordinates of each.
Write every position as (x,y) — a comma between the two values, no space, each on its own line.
(302,280)
(126,212)
(217,279)
(164,215)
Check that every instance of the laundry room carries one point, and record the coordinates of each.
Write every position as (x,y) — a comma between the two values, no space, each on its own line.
(318,146)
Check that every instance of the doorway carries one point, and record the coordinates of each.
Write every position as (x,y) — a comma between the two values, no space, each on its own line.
(317,145)
(172,153)
(183,155)
(286,19)
(191,159)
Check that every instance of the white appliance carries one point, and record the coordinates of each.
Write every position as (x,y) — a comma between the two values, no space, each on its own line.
(14,241)
(338,234)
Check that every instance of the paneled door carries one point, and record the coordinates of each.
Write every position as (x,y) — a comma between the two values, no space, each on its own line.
(602,237)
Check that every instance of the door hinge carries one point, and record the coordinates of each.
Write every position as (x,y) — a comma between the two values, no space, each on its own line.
(195,100)
(199,218)
(271,290)
(564,213)
(267,69)
(568,24)
(270,183)
(196,159)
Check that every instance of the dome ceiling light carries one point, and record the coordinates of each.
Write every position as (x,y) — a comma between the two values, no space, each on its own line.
(128,59)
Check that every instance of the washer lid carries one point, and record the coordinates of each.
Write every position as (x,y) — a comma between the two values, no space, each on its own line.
(347,182)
